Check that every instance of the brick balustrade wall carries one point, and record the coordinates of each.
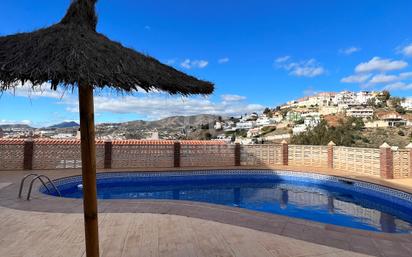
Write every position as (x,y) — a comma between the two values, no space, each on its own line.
(308,156)
(386,162)
(260,155)
(108,150)
(62,154)
(362,161)
(11,155)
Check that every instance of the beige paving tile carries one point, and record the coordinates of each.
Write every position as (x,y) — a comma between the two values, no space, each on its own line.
(127,234)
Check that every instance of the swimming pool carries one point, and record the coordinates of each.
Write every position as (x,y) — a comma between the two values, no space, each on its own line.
(315,197)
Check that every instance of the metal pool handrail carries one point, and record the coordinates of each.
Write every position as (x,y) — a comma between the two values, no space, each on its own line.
(39,177)
(22,182)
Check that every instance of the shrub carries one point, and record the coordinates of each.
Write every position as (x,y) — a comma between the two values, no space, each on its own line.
(344,134)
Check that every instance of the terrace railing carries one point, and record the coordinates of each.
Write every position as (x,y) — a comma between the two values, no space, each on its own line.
(308,155)
(127,154)
(258,155)
(365,161)
(12,155)
(402,163)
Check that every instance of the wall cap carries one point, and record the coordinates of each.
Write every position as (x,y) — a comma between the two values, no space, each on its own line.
(331,143)
(385,145)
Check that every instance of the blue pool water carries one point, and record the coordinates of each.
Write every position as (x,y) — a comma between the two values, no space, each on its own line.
(314,197)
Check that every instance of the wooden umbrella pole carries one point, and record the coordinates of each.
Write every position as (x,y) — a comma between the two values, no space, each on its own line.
(88,150)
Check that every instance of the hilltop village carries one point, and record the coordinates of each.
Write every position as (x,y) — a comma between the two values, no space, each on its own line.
(373,112)
(378,117)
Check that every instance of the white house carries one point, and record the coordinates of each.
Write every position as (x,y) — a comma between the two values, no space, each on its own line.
(359,112)
(300,128)
(218,125)
(363,97)
(245,125)
(63,136)
(345,98)
(263,121)
(392,119)
(253,132)
(407,104)
(311,121)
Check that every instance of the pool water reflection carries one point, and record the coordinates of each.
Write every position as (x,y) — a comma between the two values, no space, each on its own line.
(329,202)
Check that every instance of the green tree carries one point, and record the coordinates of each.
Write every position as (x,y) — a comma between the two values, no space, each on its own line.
(399,109)
(344,134)
(371,102)
(384,96)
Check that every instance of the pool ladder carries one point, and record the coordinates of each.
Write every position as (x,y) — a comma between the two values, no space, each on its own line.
(37,177)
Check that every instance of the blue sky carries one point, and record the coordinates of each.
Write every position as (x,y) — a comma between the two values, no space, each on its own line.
(258,53)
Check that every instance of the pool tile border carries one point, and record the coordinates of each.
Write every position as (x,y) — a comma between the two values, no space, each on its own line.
(390,194)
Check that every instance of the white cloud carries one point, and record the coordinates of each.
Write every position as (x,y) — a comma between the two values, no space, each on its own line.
(398,86)
(306,68)
(349,50)
(357,78)
(232,98)
(282,59)
(405,75)
(7,122)
(308,71)
(378,64)
(407,50)
(223,60)
(190,64)
(155,107)
(44,90)
(383,78)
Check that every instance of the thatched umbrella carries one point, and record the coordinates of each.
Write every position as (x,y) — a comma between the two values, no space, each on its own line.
(71,53)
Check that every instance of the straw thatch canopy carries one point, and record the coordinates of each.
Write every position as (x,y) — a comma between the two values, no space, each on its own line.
(71,52)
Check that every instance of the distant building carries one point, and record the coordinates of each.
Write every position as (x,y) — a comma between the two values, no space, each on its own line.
(62,136)
(299,129)
(218,125)
(293,116)
(245,125)
(46,133)
(263,121)
(327,110)
(153,135)
(376,124)
(360,112)
(253,132)
(393,119)
(407,104)
(277,137)
(277,117)
(408,119)
(311,121)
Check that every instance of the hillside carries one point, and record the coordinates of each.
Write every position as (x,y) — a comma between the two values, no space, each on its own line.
(190,127)
(174,122)
(20,126)
(67,124)
(374,137)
